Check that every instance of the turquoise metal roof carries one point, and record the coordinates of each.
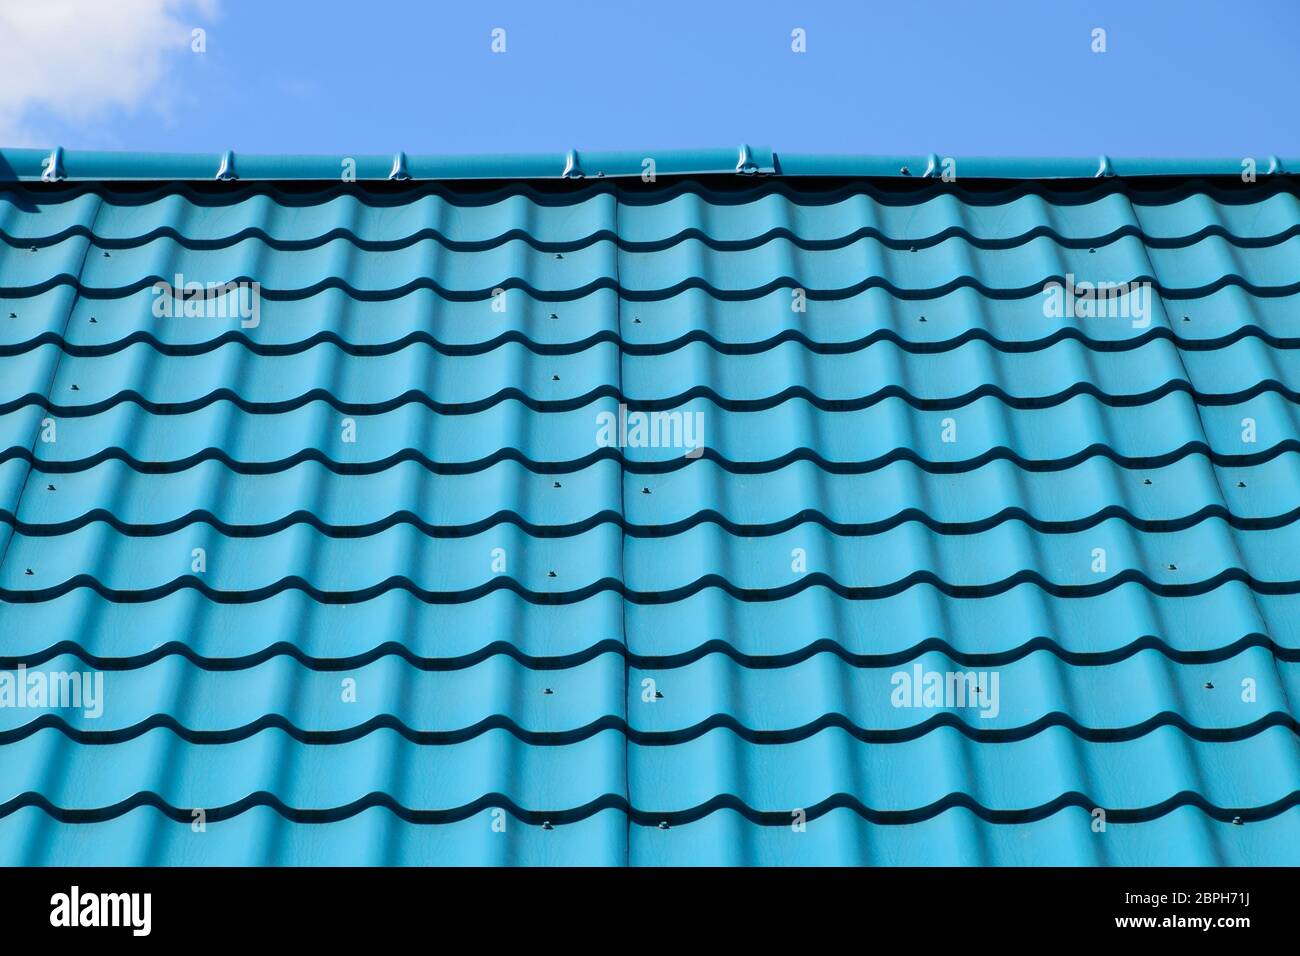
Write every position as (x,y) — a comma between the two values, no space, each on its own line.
(364,583)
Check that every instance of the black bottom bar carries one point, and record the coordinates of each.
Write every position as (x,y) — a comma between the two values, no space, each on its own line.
(662,909)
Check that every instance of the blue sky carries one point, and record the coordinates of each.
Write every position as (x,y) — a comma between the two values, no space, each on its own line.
(955,77)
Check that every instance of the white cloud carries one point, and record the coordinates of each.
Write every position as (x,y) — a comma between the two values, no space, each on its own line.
(71,60)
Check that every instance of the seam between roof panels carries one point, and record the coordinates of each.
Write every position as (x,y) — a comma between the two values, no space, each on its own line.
(49,385)
(1214,470)
(615,193)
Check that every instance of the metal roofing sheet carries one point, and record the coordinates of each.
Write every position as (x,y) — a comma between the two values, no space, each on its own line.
(634,652)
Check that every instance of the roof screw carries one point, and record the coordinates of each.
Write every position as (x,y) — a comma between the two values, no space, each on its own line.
(94,321)
(559,255)
(106,254)
(1146,481)
(547,691)
(556,484)
(924,319)
(659,695)
(76,387)
(1241,484)
(555,378)
(1187,318)
(13,315)
(1172,567)
(546,825)
(50,488)
(1236,821)
(29,572)
(636,321)
(550,574)
(645,490)
(912,249)
(663,824)
(33,249)
(554,316)
(1209,685)
(1092,250)
(904,171)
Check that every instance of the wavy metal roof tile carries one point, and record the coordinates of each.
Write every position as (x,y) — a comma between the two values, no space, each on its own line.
(630,654)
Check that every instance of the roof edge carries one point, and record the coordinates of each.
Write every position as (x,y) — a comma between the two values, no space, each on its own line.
(32,165)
